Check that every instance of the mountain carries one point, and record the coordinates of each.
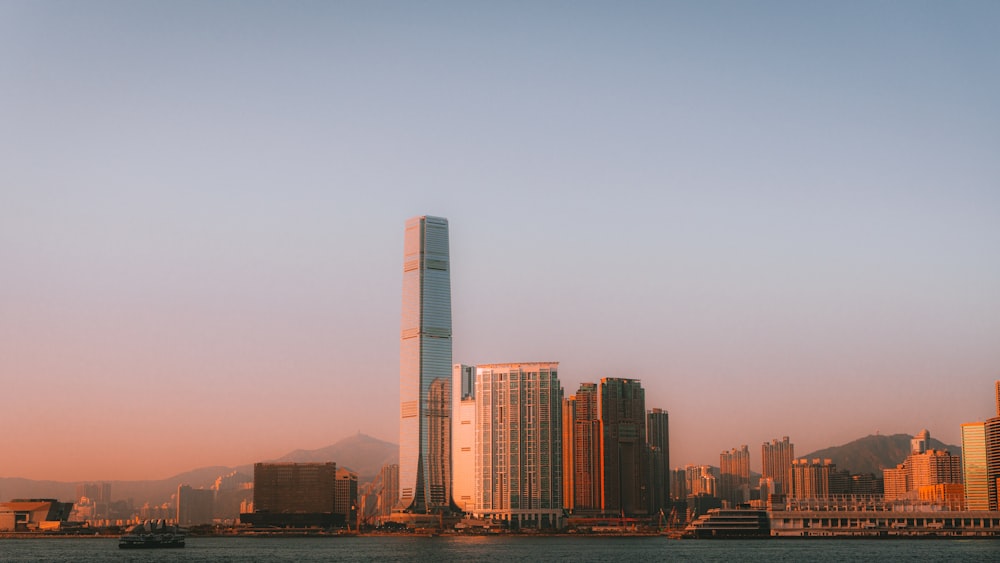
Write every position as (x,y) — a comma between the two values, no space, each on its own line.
(360,453)
(874,453)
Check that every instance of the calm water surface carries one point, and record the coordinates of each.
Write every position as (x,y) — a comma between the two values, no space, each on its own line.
(440,549)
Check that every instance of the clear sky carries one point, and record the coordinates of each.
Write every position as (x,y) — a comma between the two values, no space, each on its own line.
(783,217)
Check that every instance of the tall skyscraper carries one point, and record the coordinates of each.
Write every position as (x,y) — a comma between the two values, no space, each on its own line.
(658,442)
(998,396)
(776,462)
(425,368)
(519,444)
(569,466)
(588,469)
(623,437)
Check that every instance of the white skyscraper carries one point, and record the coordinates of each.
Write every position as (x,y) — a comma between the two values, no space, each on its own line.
(425,368)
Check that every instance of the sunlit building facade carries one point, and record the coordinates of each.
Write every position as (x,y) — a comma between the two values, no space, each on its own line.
(519,444)
(975,476)
(587,463)
(425,368)
(776,464)
(734,476)
(463,436)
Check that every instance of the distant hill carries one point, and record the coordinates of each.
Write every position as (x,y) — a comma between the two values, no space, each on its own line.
(360,453)
(874,453)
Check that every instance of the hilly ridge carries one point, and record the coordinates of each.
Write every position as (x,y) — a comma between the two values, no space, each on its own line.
(875,452)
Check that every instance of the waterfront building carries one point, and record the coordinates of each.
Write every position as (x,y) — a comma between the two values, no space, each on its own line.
(569,467)
(346,496)
(992,427)
(658,442)
(295,494)
(623,422)
(678,484)
(734,476)
(33,514)
(588,474)
(463,436)
(519,444)
(811,478)
(194,506)
(974,466)
(425,368)
(895,482)
(387,487)
(776,464)
(924,467)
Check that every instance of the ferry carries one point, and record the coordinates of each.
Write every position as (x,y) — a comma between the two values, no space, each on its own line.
(152,535)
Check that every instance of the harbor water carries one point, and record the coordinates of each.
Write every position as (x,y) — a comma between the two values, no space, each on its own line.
(505,549)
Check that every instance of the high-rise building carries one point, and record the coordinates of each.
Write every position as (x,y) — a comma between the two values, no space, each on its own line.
(811,478)
(993,460)
(658,442)
(997,384)
(388,492)
(587,463)
(974,473)
(346,499)
(569,467)
(623,432)
(194,506)
(734,475)
(519,444)
(776,463)
(463,436)
(425,368)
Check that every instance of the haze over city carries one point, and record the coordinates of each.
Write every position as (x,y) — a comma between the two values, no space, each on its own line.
(783,218)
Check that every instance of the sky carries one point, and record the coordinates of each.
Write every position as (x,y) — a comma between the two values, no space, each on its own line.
(782,217)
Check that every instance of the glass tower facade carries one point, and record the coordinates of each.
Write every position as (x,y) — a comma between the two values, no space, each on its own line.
(974,472)
(425,368)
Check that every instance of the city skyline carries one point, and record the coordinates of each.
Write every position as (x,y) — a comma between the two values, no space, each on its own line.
(785,214)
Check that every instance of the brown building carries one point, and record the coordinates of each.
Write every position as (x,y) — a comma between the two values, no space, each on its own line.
(623,432)
(295,494)
(811,478)
(587,464)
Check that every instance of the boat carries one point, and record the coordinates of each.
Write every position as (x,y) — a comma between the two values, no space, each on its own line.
(730,523)
(152,534)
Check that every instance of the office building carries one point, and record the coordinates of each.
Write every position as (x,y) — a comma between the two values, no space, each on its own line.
(346,495)
(776,464)
(734,476)
(463,436)
(295,494)
(658,442)
(194,506)
(975,476)
(519,444)
(425,368)
(623,432)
